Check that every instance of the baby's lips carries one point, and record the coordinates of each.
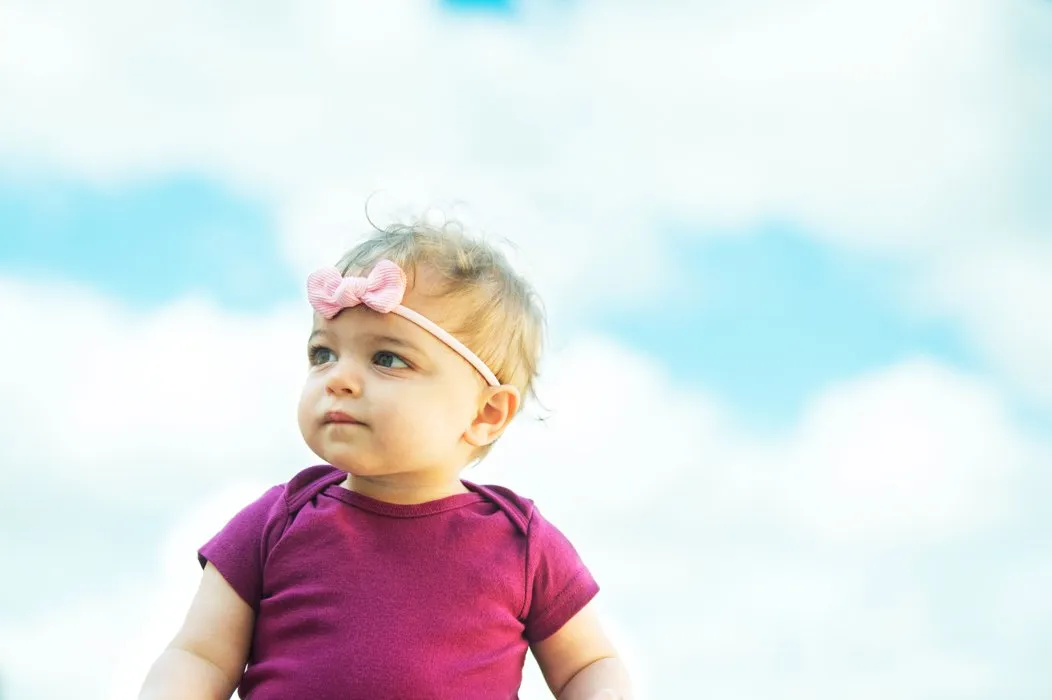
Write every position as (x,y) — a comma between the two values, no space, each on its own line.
(340,417)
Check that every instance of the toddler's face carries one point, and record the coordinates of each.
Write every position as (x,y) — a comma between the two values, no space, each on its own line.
(385,397)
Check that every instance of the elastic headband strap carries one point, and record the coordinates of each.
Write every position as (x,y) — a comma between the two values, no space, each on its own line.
(447,338)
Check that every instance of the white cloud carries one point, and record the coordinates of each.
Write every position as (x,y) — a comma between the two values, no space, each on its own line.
(1003,292)
(106,644)
(913,451)
(709,113)
(111,398)
(72,650)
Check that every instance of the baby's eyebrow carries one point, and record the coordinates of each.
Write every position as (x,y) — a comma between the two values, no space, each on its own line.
(393,340)
(377,338)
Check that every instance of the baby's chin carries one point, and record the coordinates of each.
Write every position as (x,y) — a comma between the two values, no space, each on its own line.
(351,465)
(343,456)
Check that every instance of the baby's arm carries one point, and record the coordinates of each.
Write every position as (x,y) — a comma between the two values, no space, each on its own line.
(579,662)
(208,655)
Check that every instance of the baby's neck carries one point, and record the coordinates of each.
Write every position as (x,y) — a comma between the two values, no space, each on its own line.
(401,490)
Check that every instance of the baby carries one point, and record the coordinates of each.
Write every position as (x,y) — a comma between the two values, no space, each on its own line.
(381,573)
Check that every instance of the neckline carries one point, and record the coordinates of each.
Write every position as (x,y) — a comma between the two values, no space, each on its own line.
(405,510)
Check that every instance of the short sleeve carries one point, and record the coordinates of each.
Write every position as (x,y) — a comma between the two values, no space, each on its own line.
(239,550)
(558,583)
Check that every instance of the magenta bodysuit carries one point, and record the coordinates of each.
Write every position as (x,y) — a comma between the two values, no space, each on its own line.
(356,598)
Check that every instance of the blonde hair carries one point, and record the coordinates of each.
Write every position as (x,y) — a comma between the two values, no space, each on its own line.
(500,316)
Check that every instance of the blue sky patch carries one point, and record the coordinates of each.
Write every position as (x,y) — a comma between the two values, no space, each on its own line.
(145,242)
(774,316)
(492,6)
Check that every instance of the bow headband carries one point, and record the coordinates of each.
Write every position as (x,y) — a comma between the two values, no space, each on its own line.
(382,290)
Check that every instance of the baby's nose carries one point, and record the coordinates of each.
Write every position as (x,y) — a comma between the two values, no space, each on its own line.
(345,378)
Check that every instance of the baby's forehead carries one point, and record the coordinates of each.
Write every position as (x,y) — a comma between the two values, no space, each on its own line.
(434,295)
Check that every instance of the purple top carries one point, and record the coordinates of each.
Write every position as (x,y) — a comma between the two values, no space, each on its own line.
(357,598)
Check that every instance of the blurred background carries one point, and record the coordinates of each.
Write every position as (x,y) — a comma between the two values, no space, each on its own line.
(798,261)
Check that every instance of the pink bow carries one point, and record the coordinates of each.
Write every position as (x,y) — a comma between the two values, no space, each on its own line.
(329,292)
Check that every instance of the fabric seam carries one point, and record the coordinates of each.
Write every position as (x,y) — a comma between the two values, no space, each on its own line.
(575,584)
(526,571)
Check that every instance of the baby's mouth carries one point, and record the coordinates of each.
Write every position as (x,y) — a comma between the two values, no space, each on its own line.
(340,418)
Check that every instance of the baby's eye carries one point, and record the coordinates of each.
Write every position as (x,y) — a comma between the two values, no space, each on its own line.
(320,355)
(389,360)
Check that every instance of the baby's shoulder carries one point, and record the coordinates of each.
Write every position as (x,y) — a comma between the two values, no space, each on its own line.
(521,511)
(309,483)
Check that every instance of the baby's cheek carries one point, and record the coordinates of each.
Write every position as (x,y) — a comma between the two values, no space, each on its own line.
(447,428)
(307,415)
(403,425)
(410,432)
(303,413)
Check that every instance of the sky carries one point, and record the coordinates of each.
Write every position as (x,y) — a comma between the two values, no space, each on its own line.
(797,259)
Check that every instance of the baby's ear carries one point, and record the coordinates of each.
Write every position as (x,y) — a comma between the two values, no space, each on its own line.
(497,406)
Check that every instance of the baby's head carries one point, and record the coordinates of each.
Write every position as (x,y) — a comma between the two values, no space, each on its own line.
(386,392)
